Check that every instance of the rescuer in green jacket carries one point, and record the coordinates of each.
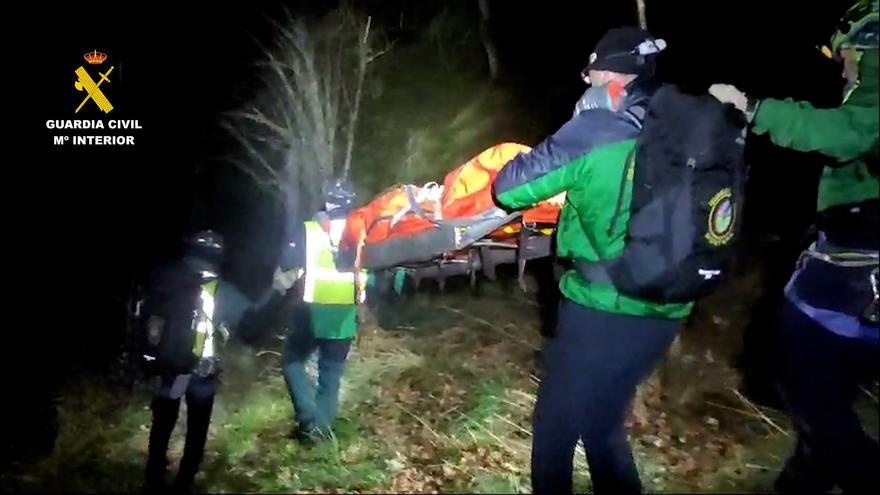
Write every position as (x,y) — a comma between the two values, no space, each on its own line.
(827,330)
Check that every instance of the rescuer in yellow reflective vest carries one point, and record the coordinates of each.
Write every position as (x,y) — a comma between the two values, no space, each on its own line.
(326,321)
(183,332)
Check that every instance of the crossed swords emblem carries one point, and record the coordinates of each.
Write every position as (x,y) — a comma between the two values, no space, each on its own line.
(94,93)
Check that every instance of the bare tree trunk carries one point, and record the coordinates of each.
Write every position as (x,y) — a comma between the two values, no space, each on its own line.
(363,60)
(643,21)
(300,130)
(487,40)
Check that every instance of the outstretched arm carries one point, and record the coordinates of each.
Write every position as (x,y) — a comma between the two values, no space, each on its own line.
(844,133)
(537,175)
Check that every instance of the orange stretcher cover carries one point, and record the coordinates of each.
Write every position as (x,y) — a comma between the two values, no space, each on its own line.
(407,210)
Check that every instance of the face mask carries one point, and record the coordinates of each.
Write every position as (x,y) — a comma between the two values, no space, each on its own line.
(606,97)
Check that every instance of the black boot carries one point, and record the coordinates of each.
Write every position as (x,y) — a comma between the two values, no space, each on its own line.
(164,418)
(802,473)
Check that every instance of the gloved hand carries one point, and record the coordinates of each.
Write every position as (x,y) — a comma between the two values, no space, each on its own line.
(726,93)
(282,281)
(155,326)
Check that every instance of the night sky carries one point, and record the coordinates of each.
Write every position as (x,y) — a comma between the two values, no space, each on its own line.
(97,216)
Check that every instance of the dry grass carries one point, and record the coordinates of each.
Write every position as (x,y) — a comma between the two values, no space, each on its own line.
(444,405)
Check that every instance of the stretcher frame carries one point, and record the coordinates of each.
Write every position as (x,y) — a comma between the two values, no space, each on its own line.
(533,241)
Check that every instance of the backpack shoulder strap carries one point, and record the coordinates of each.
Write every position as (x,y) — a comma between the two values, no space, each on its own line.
(599,271)
(636,115)
(628,170)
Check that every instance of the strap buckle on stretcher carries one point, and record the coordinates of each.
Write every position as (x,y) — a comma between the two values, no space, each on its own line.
(429,192)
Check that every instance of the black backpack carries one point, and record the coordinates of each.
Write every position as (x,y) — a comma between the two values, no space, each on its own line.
(689,176)
(172,293)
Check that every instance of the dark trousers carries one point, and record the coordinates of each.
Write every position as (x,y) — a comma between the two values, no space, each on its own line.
(592,366)
(819,376)
(758,358)
(199,402)
(314,407)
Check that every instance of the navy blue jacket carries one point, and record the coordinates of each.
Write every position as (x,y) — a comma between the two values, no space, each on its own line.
(578,136)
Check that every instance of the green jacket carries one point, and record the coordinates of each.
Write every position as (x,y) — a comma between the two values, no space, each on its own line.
(847,134)
(592,182)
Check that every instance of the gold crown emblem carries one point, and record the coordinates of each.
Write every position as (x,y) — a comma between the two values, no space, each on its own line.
(95,57)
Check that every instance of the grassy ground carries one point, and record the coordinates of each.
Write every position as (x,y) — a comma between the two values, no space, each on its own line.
(437,398)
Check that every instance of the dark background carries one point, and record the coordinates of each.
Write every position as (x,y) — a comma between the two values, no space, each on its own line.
(91,219)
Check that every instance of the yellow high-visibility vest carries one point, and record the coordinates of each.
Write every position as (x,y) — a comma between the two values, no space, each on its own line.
(203,346)
(323,283)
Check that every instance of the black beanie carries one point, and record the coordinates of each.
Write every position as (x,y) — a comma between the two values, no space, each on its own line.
(617,51)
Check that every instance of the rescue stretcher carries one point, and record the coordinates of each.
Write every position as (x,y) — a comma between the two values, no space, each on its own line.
(438,231)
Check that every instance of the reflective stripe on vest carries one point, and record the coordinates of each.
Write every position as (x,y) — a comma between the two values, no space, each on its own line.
(323,283)
(204,341)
